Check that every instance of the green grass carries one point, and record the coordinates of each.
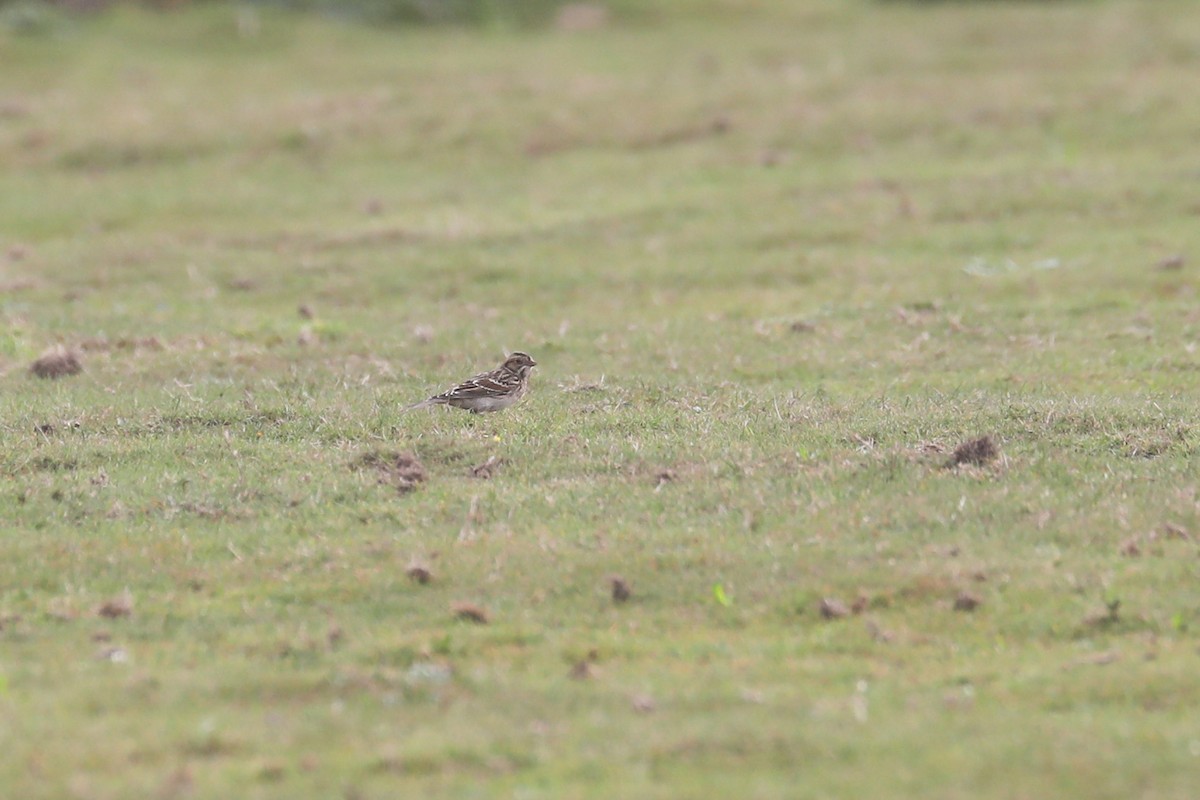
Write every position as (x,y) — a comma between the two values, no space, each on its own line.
(776,260)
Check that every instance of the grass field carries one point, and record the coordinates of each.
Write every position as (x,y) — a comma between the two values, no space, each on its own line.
(776,260)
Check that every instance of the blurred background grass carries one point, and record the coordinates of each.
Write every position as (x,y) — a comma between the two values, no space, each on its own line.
(36,14)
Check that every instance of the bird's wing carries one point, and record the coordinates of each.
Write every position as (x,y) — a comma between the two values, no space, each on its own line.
(484,385)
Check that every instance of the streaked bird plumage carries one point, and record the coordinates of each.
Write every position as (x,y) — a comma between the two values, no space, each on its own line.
(488,391)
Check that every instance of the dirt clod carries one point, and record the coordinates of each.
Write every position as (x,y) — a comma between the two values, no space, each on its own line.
(306,311)
(585,668)
(272,772)
(487,469)
(878,633)
(470,612)
(861,603)
(401,470)
(967,601)
(117,655)
(1131,548)
(1111,615)
(620,589)
(976,452)
(116,607)
(419,573)
(57,362)
(643,703)
(582,671)
(832,608)
(1172,263)
(1171,530)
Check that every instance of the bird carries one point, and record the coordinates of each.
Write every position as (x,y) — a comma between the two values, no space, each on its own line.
(488,391)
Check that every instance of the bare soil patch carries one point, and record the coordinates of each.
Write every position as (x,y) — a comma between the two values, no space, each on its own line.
(404,471)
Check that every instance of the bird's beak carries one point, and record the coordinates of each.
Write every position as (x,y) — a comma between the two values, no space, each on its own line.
(532,363)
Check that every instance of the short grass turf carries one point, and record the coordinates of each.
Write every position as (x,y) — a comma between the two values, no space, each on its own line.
(777,262)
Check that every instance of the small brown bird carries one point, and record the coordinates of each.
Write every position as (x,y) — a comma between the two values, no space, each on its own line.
(488,391)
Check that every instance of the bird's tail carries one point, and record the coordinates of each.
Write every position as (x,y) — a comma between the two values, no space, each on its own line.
(423,404)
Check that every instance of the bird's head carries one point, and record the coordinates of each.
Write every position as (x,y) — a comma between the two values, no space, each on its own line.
(520,362)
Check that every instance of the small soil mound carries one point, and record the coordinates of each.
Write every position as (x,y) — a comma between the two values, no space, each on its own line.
(643,703)
(471,613)
(620,589)
(832,608)
(116,607)
(582,671)
(402,470)
(419,573)
(976,452)
(967,601)
(487,469)
(57,362)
